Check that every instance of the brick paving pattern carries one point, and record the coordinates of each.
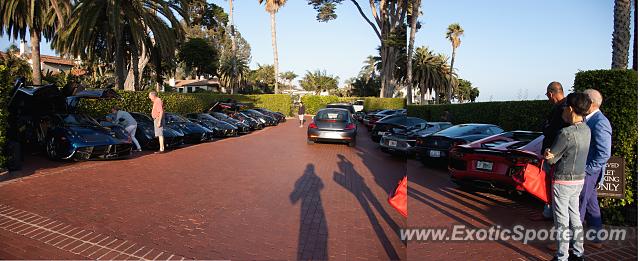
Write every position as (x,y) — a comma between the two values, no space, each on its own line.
(267,195)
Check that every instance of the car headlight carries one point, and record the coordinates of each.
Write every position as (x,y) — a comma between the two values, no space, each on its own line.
(262,120)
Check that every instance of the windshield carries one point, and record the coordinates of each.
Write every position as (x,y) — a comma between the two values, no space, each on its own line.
(461,130)
(77,120)
(206,117)
(332,115)
(176,118)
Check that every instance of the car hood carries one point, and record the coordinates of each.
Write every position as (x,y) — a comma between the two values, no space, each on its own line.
(94,134)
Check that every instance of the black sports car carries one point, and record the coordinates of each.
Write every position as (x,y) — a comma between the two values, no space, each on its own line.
(436,146)
(220,128)
(145,133)
(42,119)
(242,128)
(193,132)
(267,120)
(397,121)
(277,115)
(402,141)
(253,123)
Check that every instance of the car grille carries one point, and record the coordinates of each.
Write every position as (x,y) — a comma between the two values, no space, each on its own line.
(103,151)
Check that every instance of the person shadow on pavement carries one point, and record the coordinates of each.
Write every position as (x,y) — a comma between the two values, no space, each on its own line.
(354,183)
(313,233)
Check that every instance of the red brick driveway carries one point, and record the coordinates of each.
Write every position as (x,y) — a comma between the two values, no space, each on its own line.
(267,195)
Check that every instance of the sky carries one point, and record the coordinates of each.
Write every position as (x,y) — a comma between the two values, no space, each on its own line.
(510,49)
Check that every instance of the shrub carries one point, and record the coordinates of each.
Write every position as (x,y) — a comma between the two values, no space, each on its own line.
(619,89)
(511,115)
(372,103)
(313,103)
(5,89)
(183,102)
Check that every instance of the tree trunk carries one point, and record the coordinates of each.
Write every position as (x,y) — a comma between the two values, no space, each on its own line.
(36,73)
(383,74)
(233,28)
(415,12)
(635,35)
(119,61)
(621,34)
(275,49)
(450,85)
(157,63)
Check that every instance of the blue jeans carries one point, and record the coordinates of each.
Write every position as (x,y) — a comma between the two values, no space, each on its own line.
(566,210)
(547,212)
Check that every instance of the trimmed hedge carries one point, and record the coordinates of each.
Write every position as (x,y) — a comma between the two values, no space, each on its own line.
(5,89)
(183,102)
(313,103)
(619,89)
(510,115)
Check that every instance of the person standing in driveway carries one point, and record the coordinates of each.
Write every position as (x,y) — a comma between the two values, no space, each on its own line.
(599,154)
(551,128)
(568,154)
(157,113)
(301,111)
(129,123)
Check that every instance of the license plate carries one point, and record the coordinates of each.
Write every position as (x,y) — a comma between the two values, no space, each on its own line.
(484,165)
(332,135)
(382,133)
(434,154)
(393,143)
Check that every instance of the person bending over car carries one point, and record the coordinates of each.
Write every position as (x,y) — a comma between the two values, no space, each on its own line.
(568,154)
(125,120)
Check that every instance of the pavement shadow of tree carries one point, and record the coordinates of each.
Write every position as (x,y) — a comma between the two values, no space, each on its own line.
(313,233)
(349,178)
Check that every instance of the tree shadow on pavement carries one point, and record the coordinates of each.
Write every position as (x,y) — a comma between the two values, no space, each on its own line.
(354,183)
(313,232)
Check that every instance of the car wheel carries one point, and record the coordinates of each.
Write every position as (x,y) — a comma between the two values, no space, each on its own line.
(52,149)
(310,142)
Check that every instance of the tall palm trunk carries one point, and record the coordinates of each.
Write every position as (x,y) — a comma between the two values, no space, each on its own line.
(35,57)
(415,11)
(233,28)
(119,61)
(275,49)
(450,85)
(635,35)
(621,34)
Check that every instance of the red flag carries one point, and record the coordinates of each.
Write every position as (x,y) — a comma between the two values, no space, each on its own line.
(398,199)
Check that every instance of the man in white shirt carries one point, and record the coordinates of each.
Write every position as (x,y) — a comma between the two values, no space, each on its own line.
(125,119)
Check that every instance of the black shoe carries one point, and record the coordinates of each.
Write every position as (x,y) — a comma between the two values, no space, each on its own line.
(573,257)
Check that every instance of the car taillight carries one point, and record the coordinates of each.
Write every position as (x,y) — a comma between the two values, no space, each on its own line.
(458,142)
(313,125)
(524,161)
(419,141)
(350,126)
(456,154)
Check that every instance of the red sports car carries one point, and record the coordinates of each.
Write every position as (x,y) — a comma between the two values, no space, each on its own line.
(492,162)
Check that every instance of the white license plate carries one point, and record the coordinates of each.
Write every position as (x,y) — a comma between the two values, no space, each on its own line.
(382,133)
(434,154)
(484,165)
(393,143)
(332,135)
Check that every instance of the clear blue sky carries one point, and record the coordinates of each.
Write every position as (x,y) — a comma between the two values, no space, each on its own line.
(510,48)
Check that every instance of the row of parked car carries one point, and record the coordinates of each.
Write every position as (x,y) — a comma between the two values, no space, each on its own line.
(476,155)
(42,118)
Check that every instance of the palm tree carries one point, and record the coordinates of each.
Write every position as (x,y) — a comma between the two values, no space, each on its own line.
(233,71)
(289,76)
(115,26)
(40,17)
(272,7)
(371,68)
(621,34)
(431,72)
(454,31)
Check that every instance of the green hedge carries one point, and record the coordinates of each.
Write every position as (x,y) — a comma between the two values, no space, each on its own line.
(184,102)
(313,103)
(619,89)
(511,115)
(5,89)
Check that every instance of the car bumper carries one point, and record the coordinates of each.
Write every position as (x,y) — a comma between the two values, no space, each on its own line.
(101,152)
(314,134)
(396,145)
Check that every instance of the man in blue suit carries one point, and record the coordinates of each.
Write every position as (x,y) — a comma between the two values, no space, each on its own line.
(599,153)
